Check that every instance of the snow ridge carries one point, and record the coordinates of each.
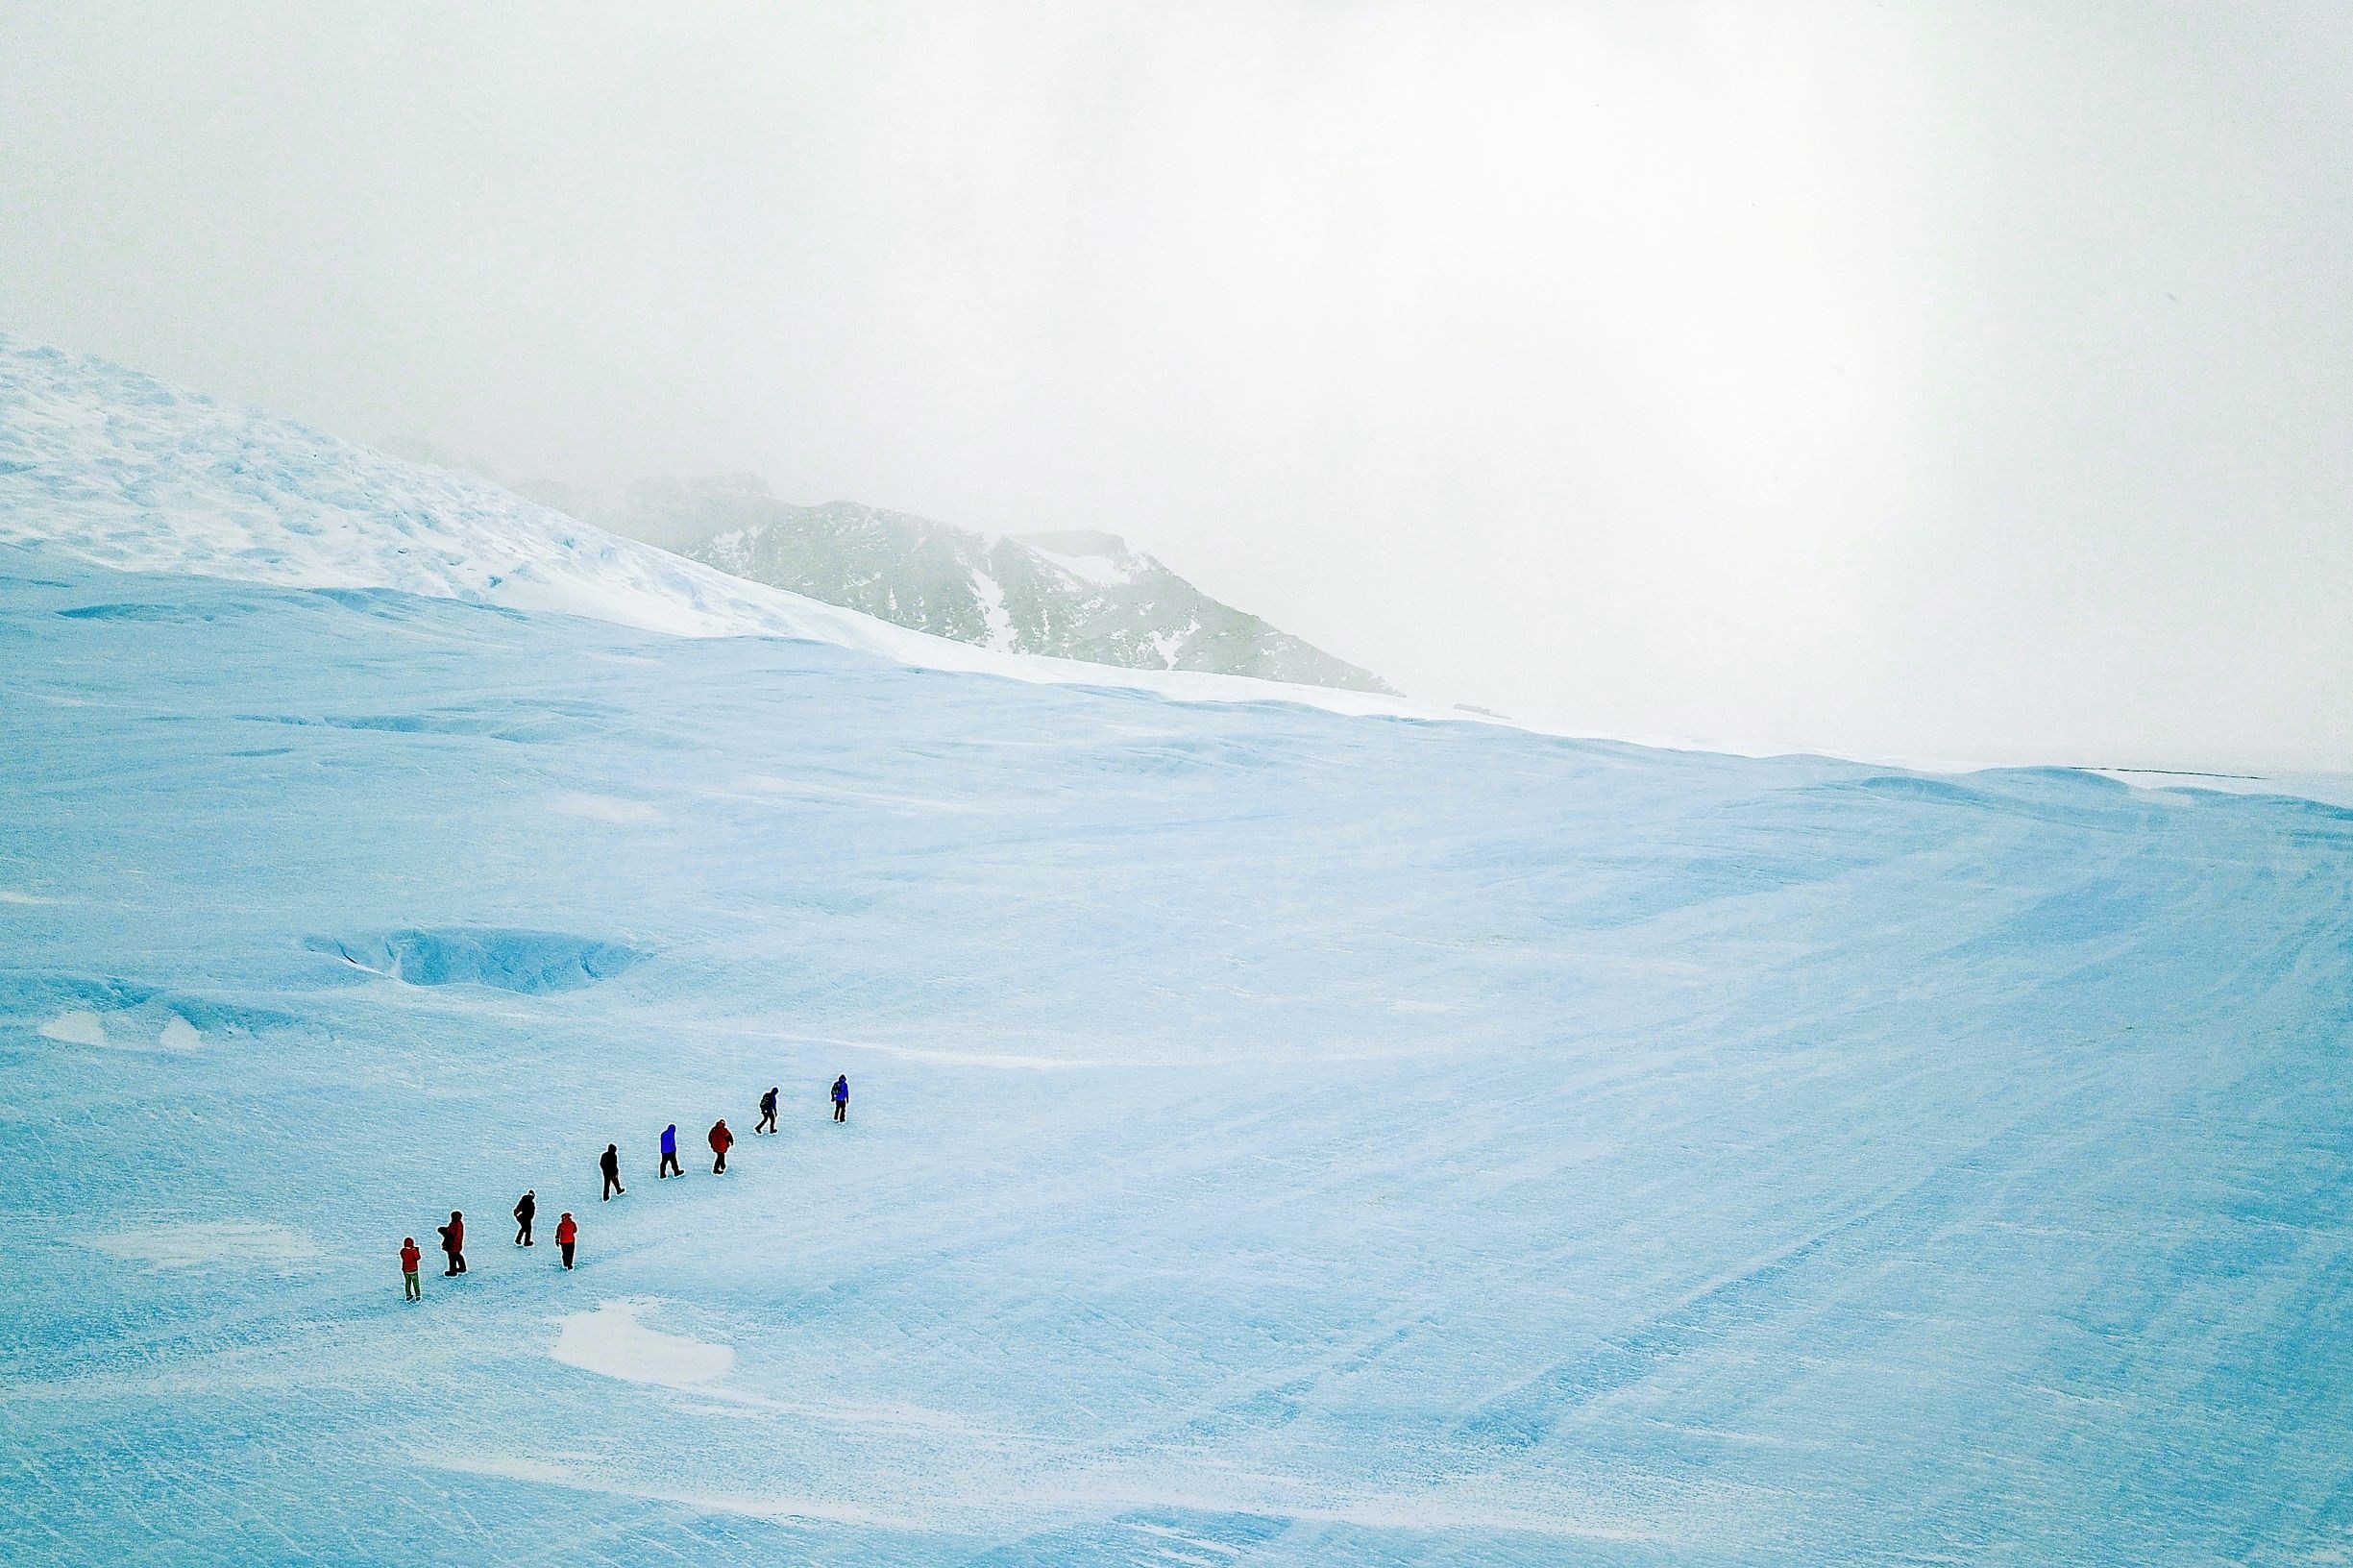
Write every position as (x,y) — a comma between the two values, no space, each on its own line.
(125,471)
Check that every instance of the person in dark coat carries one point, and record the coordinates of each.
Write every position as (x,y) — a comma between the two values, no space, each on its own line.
(670,1154)
(610,1163)
(768,1114)
(410,1260)
(454,1244)
(722,1140)
(841,1098)
(524,1212)
(566,1234)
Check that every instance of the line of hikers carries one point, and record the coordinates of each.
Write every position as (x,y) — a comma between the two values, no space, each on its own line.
(567,1228)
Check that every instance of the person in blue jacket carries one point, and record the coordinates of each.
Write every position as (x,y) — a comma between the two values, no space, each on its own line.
(670,1154)
(841,1098)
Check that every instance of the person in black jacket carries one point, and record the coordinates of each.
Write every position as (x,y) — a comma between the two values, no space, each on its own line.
(768,1114)
(611,1165)
(524,1213)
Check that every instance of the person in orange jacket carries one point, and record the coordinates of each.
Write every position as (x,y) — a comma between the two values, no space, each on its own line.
(566,1234)
(411,1260)
(722,1140)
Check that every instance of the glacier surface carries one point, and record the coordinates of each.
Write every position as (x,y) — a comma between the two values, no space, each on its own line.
(1278,1138)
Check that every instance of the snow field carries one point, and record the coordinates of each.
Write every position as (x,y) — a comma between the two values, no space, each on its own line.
(1278,1138)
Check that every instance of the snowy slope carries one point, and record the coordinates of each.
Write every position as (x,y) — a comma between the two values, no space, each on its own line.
(1277,1139)
(122,469)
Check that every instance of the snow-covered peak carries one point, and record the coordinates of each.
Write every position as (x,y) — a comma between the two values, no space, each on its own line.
(128,472)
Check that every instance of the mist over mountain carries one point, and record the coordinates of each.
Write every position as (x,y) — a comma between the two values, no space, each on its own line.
(1076,594)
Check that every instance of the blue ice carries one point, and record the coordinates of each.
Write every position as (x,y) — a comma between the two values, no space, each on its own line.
(1277,1138)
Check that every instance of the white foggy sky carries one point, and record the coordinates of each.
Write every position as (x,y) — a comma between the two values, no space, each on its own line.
(1952,382)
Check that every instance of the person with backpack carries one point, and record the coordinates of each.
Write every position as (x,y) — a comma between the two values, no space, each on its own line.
(410,1260)
(670,1154)
(566,1234)
(611,1164)
(768,1114)
(524,1212)
(454,1244)
(841,1098)
(722,1140)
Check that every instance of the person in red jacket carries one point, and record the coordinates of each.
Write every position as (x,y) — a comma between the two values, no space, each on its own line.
(411,1258)
(722,1140)
(454,1242)
(566,1234)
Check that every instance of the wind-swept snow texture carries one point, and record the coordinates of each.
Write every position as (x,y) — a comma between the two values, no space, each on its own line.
(1278,1138)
